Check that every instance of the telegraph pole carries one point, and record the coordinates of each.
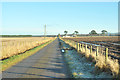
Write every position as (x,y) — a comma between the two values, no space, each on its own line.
(44,31)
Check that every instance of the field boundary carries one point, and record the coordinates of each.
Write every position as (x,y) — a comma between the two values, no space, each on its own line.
(99,61)
(7,63)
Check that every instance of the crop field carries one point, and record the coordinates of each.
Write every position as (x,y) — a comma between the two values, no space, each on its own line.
(112,42)
(13,46)
(96,38)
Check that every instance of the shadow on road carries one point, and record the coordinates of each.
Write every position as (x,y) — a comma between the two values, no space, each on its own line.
(48,62)
(31,74)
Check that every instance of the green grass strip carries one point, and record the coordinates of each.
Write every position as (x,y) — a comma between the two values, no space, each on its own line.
(7,63)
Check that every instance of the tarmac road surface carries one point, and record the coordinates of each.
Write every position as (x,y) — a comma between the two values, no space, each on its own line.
(46,63)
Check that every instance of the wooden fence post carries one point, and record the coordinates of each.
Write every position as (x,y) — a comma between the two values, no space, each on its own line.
(78,48)
(101,50)
(86,48)
(91,49)
(71,43)
(106,54)
(82,47)
(97,52)
(74,44)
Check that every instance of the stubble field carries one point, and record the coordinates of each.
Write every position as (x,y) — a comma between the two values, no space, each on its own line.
(13,46)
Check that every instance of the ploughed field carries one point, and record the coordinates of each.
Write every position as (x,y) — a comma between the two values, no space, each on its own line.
(111,42)
(15,45)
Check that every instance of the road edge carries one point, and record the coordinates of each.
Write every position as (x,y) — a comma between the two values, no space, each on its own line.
(6,64)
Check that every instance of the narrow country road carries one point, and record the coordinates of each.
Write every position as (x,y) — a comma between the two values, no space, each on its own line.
(46,63)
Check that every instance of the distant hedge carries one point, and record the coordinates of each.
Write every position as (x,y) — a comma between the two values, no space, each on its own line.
(15,35)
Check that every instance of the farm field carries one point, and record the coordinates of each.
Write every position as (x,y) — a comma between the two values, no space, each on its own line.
(102,57)
(47,63)
(78,40)
(13,46)
(51,60)
(111,42)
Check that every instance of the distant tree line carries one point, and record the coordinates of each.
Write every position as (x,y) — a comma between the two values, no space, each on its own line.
(43,35)
(27,35)
(91,33)
(104,32)
(75,33)
(15,35)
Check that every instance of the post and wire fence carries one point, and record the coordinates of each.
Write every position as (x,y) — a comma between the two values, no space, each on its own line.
(97,53)
(84,47)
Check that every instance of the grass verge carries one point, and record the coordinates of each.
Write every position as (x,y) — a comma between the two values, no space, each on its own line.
(7,63)
(111,65)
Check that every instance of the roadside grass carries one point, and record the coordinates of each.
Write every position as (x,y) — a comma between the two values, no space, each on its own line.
(7,63)
(111,65)
(80,67)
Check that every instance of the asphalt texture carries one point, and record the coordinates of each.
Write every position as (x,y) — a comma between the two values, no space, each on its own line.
(46,63)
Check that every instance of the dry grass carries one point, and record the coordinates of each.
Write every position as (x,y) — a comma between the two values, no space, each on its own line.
(13,46)
(111,65)
(111,42)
